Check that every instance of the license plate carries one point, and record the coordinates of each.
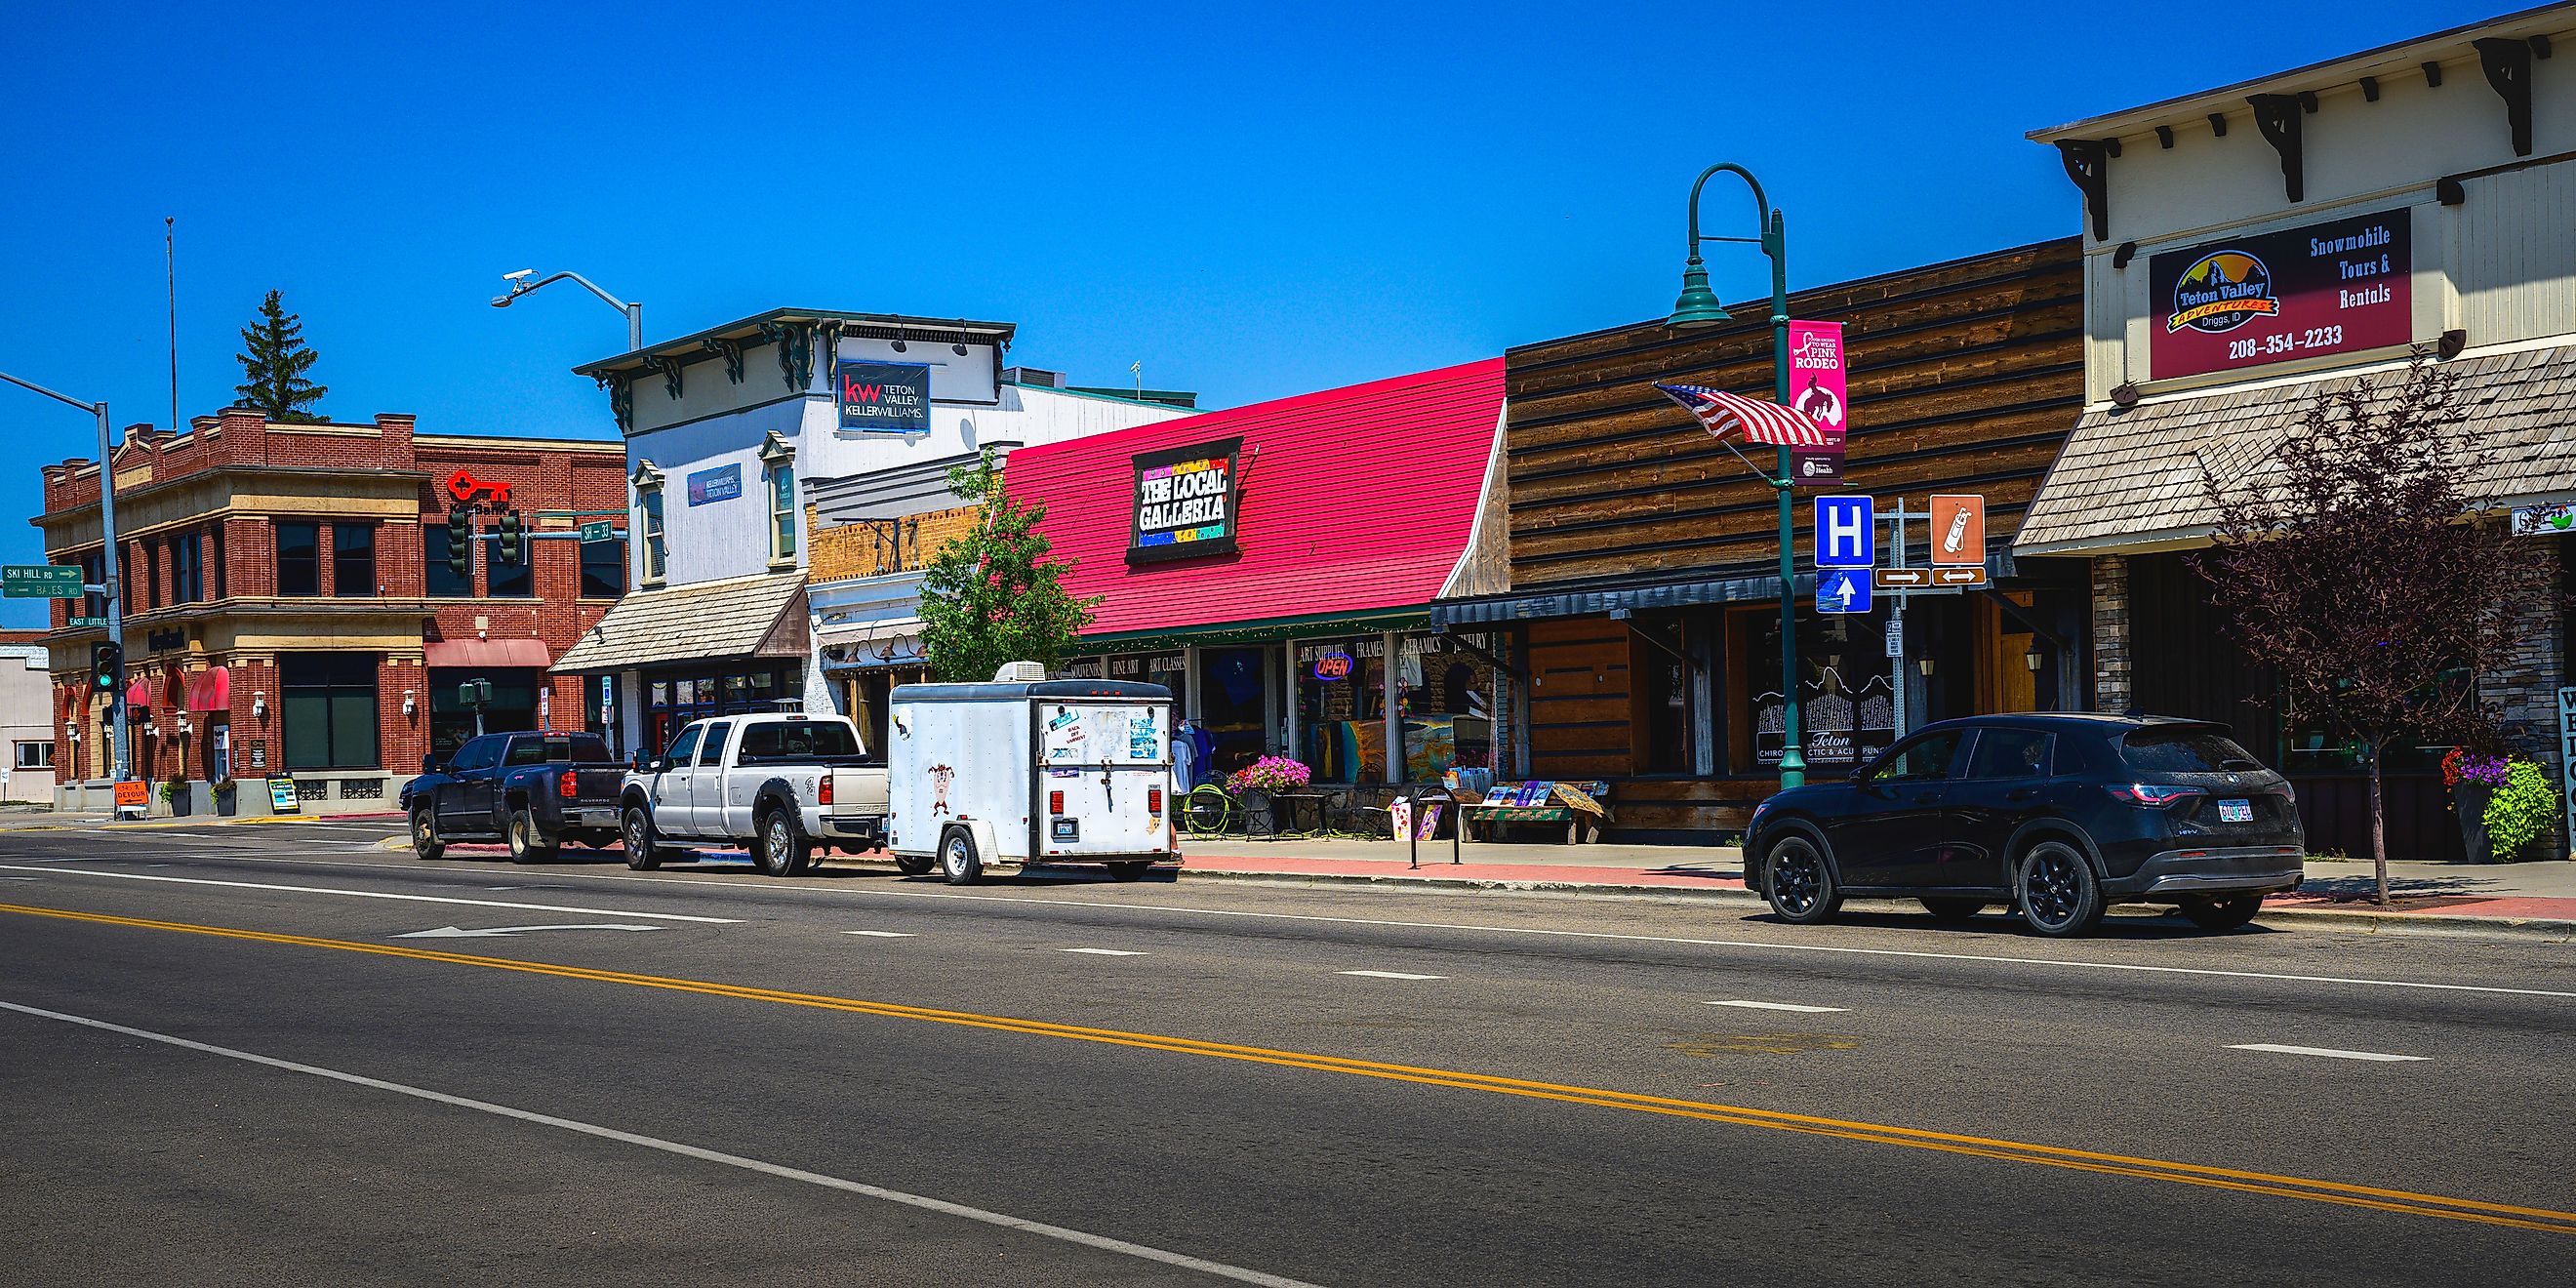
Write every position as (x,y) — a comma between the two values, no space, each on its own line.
(1067,829)
(2236,811)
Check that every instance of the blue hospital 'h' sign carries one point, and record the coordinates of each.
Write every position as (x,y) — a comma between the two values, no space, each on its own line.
(1846,532)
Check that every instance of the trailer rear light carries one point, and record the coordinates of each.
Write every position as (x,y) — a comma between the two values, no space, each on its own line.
(569,786)
(1153,802)
(1055,802)
(823,789)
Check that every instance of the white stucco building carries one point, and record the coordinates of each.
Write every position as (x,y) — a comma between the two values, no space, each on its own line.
(727,433)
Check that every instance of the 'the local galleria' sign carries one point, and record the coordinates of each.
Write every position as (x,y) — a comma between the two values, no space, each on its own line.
(1185,503)
(2336,287)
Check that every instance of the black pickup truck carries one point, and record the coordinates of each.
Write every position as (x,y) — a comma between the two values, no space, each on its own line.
(533,790)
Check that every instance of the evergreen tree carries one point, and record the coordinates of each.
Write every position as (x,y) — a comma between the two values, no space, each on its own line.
(274,359)
(993,596)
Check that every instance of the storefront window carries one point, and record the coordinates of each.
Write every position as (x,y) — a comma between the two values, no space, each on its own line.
(1667,735)
(1234,705)
(674,698)
(1341,708)
(327,719)
(513,706)
(1846,690)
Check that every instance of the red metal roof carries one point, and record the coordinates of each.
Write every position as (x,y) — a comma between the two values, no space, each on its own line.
(1359,499)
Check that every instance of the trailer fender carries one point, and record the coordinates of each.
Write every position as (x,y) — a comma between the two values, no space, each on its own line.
(988,843)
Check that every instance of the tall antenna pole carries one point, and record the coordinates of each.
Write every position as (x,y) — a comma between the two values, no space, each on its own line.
(170,256)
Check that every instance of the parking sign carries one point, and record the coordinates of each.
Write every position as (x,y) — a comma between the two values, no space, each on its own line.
(1846,532)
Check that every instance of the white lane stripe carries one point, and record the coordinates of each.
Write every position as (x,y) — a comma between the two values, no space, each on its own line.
(881,934)
(1778,1006)
(2331,1053)
(942,1206)
(377,894)
(1103,952)
(1607,935)
(1391,974)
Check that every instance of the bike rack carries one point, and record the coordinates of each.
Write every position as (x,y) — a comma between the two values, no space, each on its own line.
(1413,835)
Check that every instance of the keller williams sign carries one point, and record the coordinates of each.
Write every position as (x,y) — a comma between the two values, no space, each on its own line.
(1185,503)
(2337,287)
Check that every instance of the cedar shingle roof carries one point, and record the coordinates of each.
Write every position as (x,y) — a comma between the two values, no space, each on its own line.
(739,617)
(2132,480)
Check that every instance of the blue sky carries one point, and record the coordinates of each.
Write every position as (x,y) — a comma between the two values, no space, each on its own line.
(1250,203)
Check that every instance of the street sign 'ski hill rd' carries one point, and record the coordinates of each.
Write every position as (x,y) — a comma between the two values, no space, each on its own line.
(40,581)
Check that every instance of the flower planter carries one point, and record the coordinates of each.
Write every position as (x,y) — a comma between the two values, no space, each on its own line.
(2469,810)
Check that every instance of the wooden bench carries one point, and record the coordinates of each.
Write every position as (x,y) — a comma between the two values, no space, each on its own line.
(1497,811)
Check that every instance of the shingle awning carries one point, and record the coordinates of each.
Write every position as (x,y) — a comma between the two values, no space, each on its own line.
(739,617)
(2133,480)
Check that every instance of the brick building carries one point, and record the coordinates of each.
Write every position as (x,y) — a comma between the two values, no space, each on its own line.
(291,608)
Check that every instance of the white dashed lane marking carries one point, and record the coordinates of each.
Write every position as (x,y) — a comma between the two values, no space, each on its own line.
(881,934)
(1390,974)
(2330,1053)
(1103,952)
(1778,1006)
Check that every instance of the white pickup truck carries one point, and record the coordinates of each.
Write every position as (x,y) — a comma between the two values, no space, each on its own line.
(779,784)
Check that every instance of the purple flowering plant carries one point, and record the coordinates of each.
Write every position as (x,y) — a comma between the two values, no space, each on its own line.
(1271,774)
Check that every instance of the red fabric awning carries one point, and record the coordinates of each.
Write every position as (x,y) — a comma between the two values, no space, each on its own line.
(139,693)
(211,690)
(487,654)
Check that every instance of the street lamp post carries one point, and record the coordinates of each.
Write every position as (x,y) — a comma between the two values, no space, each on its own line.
(1698,307)
(109,567)
(520,285)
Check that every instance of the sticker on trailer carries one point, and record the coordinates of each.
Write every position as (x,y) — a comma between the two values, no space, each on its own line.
(940,777)
(1145,740)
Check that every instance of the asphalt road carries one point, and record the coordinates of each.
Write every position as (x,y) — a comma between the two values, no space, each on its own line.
(717,1077)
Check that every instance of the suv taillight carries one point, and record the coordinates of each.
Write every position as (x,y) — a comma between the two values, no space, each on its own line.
(569,786)
(1055,802)
(2152,794)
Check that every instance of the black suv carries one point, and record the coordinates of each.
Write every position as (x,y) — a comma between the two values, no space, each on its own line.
(2058,816)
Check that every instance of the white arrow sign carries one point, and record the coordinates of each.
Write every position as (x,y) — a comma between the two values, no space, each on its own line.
(452,932)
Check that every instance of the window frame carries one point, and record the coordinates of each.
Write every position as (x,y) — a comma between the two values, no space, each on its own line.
(313,580)
(19,759)
(434,567)
(1880,771)
(340,567)
(589,567)
(778,487)
(1977,750)
(364,752)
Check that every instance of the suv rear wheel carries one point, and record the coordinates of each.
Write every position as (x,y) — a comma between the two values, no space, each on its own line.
(1800,884)
(2058,892)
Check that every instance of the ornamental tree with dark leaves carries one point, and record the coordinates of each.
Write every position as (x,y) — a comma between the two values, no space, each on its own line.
(2358,563)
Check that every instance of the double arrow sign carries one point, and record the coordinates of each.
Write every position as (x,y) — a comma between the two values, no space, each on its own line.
(1926,578)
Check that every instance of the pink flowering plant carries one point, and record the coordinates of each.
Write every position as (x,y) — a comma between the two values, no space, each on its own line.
(1272,774)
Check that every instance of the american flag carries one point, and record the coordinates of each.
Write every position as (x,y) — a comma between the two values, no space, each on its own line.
(1763,422)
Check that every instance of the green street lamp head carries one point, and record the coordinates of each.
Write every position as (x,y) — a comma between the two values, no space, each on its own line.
(1698,305)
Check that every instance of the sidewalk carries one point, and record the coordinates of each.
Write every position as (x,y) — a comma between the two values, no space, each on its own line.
(2533,895)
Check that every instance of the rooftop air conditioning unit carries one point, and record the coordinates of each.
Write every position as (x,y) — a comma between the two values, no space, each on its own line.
(1033,376)
(1019,673)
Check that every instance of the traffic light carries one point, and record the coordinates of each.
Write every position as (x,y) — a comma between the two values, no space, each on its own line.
(514,547)
(460,541)
(105,659)
(474,693)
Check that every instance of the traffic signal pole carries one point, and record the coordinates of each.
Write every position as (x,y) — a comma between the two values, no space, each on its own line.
(111,567)
(110,572)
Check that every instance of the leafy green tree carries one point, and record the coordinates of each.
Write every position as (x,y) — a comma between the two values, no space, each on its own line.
(274,358)
(993,596)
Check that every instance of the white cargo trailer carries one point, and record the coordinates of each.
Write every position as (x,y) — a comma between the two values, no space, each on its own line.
(1029,771)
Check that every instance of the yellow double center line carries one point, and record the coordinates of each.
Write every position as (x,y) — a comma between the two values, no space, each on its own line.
(2011,1151)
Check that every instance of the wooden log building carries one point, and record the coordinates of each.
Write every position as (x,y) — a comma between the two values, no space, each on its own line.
(1643,612)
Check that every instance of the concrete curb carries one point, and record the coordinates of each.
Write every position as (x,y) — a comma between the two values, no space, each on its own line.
(2415,923)
(158,824)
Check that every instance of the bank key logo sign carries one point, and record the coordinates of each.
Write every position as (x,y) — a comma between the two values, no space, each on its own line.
(1846,532)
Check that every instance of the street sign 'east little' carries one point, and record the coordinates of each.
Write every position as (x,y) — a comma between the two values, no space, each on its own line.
(40,581)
